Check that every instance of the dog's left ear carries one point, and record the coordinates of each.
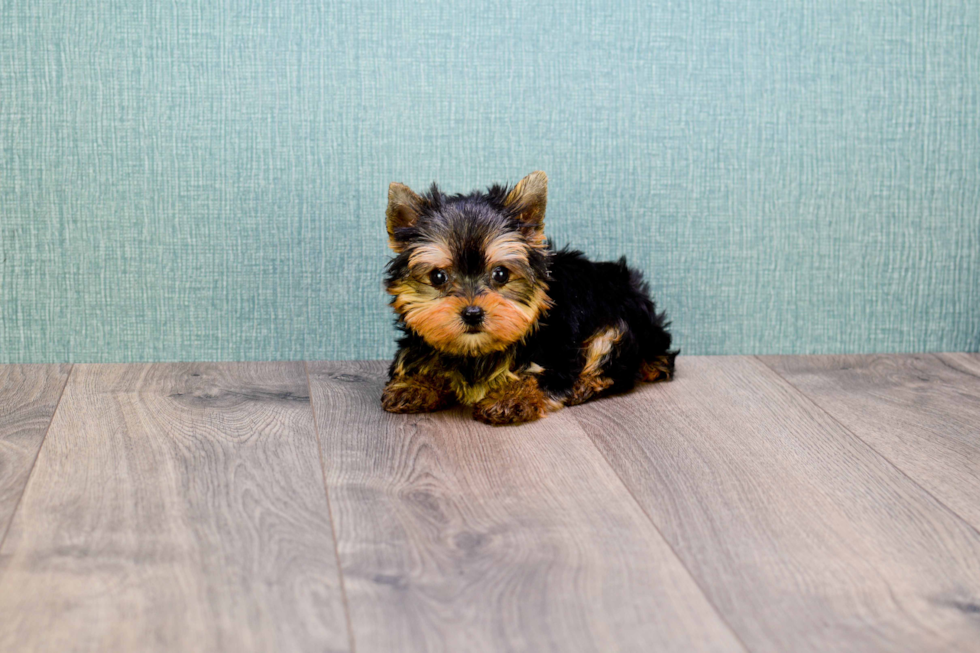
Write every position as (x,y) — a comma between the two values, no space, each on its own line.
(527,201)
(403,211)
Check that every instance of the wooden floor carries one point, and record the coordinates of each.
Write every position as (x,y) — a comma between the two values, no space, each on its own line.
(827,503)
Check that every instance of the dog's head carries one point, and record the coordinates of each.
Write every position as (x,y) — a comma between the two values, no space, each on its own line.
(470,274)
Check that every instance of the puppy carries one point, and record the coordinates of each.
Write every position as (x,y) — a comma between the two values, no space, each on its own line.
(494,318)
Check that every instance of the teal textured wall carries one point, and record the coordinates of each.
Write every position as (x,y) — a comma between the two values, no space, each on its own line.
(207,180)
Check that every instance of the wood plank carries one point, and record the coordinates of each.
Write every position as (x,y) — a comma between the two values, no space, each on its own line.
(29,395)
(457,536)
(803,537)
(968,363)
(922,412)
(175,507)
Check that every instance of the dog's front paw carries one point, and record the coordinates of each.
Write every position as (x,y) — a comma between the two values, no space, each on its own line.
(514,404)
(415,395)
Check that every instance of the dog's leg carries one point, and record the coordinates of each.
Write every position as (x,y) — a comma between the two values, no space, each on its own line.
(657,368)
(417,393)
(512,403)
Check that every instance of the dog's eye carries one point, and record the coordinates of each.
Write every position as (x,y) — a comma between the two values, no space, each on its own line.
(500,275)
(437,277)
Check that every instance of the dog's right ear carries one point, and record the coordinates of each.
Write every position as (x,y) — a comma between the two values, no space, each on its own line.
(404,207)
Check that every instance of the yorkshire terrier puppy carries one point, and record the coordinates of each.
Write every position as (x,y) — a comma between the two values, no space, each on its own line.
(492,317)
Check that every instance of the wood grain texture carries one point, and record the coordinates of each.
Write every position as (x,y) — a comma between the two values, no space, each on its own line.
(922,412)
(804,538)
(29,395)
(175,507)
(457,536)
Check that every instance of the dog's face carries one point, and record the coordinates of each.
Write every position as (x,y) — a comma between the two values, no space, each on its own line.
(470,275)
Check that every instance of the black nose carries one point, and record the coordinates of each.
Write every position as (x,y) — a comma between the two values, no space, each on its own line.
(472,315)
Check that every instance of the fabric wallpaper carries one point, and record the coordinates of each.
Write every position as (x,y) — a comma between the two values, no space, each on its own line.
(207,180)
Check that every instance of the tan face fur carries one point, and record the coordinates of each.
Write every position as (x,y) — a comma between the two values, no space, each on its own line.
(463,241)
(511,309)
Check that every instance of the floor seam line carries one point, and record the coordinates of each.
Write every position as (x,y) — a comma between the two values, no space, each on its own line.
(333,527)
(44,438)
(670,546)
(869,446)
